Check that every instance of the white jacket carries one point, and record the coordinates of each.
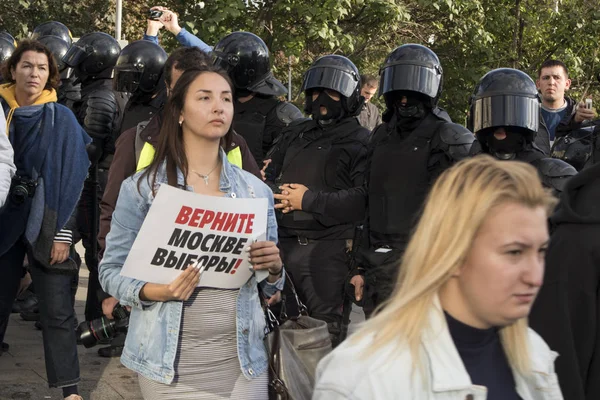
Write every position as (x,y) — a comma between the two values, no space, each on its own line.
(388,373)
(7,164)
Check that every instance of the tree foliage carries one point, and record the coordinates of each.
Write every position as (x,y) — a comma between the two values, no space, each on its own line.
(470,36)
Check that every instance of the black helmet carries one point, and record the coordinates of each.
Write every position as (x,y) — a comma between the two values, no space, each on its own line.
(95,54)
(245,57)
(411,68)
(505,97)
(6,49)
(9,37)
(139,67)
(53,28)
(576,147)
(58,48)
(336,73)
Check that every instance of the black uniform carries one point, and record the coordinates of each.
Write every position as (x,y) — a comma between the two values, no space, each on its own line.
(328,156)
(414,145)
(99,112)
(507,99)
(403,165)
(261,119)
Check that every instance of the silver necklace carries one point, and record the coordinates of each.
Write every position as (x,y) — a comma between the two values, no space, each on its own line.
(205,177)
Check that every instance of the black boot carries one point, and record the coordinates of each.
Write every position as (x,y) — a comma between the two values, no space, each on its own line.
(110,351)
(27,301)
(33,315)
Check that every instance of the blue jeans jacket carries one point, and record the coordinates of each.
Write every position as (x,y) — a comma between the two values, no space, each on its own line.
(151,344)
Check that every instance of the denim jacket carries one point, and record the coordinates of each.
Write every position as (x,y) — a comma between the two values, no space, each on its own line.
(151,344)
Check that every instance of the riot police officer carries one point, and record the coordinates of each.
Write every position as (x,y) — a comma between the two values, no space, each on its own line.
(99,111)
(504,115)
(138,71)
(259,116)
(419,141)
(69,92)
(318,158)
(415,143)
(53,28)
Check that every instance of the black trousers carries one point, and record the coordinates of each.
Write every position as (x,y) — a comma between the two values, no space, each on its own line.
(56,313)
(383,278)
(319,269)
(88,210)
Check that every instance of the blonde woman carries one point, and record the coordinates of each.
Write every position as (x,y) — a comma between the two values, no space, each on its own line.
(456,325)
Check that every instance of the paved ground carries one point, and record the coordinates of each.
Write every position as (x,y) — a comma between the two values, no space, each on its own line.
(23,374)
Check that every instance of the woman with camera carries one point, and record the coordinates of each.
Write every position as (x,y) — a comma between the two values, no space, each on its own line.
(456,324)
(51,159)
(185,342)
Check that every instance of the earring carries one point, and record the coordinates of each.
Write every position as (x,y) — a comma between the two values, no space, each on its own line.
(180,122)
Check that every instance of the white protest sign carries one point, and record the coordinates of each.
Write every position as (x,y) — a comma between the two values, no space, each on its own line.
(183,227)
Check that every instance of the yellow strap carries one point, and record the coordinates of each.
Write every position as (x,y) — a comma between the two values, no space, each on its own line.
(235,157)
(9,119)
(146,156)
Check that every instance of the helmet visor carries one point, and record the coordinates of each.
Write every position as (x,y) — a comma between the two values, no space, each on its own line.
(507,110)
(330,78)
(126,80)
(409,77)
(75,56)
(66,73)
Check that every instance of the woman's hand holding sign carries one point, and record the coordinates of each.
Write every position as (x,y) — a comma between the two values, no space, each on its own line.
(265,255)
(181,288)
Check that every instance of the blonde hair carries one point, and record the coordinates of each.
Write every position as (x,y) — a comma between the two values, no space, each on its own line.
(456,207)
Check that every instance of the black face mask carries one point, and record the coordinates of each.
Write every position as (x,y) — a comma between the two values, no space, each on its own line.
(507,148)
(412,109)
(334,108)
(410,114)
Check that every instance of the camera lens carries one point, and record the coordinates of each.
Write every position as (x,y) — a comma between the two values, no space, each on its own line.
(19,194)
(90,332)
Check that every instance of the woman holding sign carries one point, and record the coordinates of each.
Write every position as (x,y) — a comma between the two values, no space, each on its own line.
(183,341)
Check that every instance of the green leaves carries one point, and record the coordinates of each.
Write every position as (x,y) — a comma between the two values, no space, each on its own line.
(470,36)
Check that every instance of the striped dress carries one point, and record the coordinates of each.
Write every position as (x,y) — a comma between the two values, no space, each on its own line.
(207,365)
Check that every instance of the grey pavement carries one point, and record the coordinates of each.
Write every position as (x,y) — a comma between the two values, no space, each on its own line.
(23,373)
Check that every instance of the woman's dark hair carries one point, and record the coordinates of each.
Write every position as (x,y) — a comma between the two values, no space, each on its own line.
(170,143)
(31,45)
